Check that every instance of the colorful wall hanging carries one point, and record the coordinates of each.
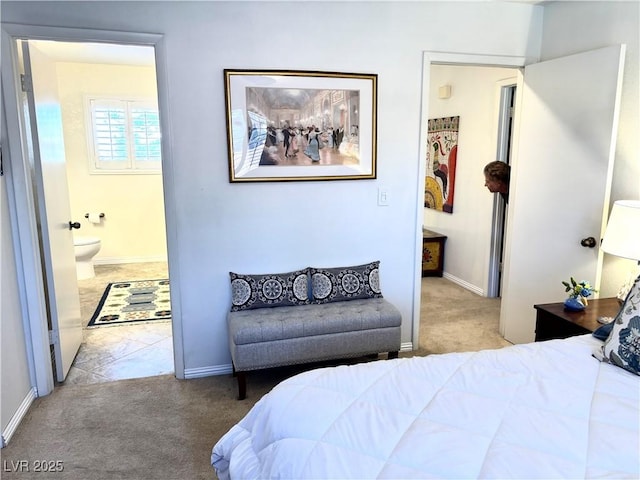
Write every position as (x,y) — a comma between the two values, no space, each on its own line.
(442,150)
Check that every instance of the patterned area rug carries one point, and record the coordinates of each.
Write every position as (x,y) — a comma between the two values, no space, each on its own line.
(135,301)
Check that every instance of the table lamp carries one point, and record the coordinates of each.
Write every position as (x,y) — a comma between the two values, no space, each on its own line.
(622,236)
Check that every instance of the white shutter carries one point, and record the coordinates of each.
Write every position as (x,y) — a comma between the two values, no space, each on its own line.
(145,136)
(109,122)
(125,136)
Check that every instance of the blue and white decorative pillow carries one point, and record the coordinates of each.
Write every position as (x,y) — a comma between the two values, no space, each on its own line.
(269,290)
(345,283)
(622,347)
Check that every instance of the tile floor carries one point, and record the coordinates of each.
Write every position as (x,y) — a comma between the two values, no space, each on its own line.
(121,351)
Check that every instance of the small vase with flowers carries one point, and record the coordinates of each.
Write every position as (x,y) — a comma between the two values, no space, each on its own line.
(578,293)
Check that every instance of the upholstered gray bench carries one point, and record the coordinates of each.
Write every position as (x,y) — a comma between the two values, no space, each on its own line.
(274,337)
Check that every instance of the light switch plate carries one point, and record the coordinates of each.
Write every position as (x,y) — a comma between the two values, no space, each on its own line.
(383,197)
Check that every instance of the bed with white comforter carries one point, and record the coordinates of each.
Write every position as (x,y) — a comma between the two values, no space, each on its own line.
(540,410)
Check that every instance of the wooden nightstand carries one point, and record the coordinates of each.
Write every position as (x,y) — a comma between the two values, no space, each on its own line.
(554,321)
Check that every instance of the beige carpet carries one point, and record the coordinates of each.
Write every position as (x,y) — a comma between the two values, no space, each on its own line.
(161,428)
(453,319)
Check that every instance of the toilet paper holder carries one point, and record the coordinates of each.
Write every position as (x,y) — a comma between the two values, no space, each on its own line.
(86,215)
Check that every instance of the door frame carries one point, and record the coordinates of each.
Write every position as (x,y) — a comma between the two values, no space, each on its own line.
(443,58)
(507,90)
(21,199)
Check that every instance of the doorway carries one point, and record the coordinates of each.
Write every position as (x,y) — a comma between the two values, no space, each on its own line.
(120,183)
(483,99)
(85,74)
(556,113)
(31,268)
(477,86)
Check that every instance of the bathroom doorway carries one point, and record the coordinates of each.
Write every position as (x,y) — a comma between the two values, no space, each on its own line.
(125,196)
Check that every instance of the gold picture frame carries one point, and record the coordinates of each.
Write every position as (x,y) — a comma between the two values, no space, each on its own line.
(274,116)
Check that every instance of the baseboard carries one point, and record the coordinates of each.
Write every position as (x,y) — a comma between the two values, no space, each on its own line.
(18,416)
(406,347)
(190,373)
(463,284)
(120,260)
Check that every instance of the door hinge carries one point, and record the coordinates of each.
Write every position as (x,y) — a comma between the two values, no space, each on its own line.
(54,338)
(25,83)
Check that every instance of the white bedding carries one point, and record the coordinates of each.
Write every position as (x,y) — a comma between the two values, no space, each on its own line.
(540,410)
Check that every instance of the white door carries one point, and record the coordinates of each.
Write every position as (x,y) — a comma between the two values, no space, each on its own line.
(560,184)
(54,211)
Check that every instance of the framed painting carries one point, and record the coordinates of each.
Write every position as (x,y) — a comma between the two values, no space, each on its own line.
(300,125)
(442,153)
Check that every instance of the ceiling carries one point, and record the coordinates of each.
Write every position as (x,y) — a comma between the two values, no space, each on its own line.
(115,54)
(107,53)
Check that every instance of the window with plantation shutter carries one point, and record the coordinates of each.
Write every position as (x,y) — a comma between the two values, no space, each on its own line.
(125,136)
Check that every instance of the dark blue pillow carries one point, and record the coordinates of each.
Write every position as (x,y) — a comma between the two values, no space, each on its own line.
(345,283)
(602,333)
(269,290)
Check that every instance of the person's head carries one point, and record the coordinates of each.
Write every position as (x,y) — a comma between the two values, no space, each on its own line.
(496,177)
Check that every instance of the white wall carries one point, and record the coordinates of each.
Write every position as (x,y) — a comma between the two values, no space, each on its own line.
(134,225)
(215,226)
(571,27)
(475,97)
(16,393)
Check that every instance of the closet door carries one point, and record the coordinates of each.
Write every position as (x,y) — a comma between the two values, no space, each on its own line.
(561,181)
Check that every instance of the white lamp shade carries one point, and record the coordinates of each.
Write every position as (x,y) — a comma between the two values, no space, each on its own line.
(622,237)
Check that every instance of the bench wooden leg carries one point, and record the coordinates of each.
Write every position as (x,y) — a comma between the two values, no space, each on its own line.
(392,355)
(242,385)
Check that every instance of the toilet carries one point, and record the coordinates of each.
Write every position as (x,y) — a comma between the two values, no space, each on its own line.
(85,249)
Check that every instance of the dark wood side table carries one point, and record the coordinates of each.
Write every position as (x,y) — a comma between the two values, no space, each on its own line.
(432,253)
(554,321)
